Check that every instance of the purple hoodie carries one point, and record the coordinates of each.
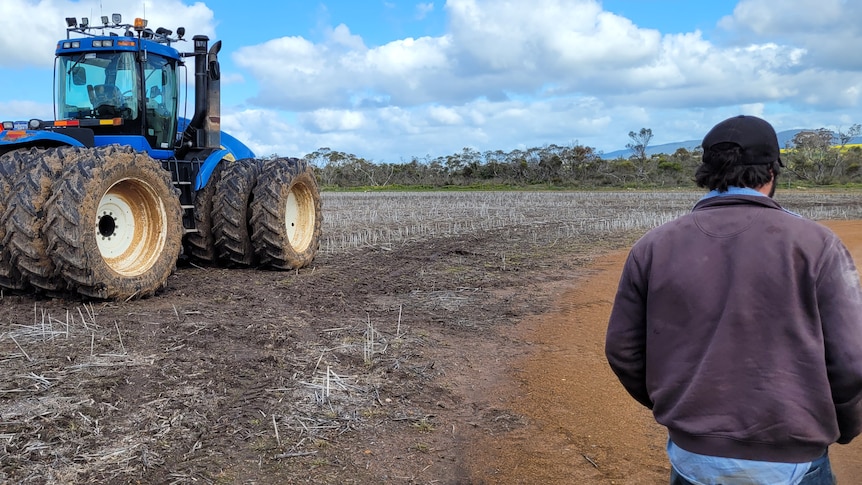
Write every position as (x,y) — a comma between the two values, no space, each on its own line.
(740,326)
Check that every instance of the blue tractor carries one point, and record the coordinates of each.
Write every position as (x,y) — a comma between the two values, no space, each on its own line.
(106,198)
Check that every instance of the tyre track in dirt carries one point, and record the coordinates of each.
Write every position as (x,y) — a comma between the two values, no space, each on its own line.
(580,424)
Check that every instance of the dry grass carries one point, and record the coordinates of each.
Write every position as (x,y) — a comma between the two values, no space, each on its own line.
(385,219)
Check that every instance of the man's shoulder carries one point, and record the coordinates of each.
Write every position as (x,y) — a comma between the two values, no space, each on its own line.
(774,217)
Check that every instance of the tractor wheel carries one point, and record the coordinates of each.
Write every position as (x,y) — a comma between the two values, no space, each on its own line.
(10,171)
(114,225)
(286,215)
(231,212)
(201,245)
(24,218)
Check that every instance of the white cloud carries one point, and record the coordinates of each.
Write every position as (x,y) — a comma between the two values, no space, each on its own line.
(508,74)
(444,115)
(423,9)
(24,110)
(502,74)
(329,120)
(30,28)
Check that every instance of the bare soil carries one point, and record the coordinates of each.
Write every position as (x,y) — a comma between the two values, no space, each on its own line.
(464,359)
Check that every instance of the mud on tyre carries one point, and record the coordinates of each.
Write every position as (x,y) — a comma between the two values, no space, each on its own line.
(230,213)
(200,245)
(23,217)
(114,226)
(10,170)
(286,214)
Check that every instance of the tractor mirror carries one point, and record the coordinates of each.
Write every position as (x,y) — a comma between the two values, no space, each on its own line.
(79,76)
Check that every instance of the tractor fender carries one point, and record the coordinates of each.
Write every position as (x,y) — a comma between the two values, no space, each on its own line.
(209,165)
(11,139)
(238,148)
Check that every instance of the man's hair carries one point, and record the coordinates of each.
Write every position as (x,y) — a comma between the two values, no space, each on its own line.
(720,169)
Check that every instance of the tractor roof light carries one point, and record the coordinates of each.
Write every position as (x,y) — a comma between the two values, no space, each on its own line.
(8,125)
(71,22)
(85,22)
(116,18)
(105,20)
(181,31)
(140,24)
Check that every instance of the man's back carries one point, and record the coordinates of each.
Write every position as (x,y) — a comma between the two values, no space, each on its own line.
(737,348)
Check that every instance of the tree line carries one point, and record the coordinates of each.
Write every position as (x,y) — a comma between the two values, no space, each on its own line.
(812,158)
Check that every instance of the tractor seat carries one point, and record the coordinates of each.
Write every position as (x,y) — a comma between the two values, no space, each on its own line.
(107,94)
(108,102)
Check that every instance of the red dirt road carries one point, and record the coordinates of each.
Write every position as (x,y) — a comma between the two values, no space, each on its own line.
(581,426)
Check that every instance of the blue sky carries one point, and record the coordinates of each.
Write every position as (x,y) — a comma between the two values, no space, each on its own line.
(390,80)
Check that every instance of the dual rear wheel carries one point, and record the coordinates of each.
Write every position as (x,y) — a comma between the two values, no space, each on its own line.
(266,213)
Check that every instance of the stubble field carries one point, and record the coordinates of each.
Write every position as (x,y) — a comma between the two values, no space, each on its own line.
(415,349)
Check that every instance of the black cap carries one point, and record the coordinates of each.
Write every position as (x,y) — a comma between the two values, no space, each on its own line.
(755,136)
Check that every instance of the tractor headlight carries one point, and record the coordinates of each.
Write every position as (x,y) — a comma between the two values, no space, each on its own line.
(35,124)
(8,125)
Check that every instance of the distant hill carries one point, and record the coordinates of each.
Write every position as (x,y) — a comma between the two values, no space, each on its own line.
(784,138)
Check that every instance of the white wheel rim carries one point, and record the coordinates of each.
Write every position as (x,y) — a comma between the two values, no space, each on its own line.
(131,227)
(299,217)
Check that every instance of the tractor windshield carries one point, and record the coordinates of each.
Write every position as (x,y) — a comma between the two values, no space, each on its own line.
(97,85)
(109,84)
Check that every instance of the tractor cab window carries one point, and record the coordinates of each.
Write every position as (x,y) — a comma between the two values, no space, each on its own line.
(97,85)
(160,86)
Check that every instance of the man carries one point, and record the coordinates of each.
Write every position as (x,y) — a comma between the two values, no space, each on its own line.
(740,326)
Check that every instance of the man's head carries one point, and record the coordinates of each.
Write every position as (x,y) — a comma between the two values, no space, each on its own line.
(741,151)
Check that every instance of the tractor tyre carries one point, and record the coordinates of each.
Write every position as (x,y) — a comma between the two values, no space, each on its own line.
(114,225)
(200,245)
(286,214)
(24,218)
(231,215)
(10,170)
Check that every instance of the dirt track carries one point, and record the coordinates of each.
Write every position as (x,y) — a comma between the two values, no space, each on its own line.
(464,359)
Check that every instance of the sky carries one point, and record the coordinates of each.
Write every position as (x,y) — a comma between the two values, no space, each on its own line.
(394,80)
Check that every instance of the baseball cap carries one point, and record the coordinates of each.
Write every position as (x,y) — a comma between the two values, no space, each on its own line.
(754,135)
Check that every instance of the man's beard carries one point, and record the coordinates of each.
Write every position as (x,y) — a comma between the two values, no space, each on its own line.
(774,184)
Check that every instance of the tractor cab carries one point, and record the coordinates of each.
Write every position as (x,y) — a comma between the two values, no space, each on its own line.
(122,84)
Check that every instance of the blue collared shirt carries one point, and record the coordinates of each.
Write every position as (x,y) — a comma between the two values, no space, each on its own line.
(734,190)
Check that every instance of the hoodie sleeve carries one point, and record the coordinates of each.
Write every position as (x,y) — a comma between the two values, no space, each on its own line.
(839,299)
(625,342)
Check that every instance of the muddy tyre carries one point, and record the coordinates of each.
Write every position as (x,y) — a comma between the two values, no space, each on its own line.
(286,214)
(231,214)
(200,245)
(10,171)
(24,218)
(114,226)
